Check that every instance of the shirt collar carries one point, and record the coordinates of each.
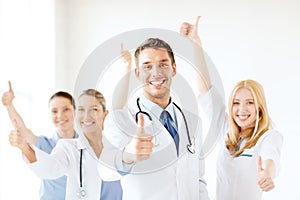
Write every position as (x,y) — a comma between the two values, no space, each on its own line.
(155,109)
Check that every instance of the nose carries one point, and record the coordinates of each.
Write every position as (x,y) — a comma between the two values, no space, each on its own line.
(243,107)
(155,70)
(59,114)
(86,114)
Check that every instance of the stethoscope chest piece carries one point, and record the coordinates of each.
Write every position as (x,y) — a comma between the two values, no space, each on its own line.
(81,193)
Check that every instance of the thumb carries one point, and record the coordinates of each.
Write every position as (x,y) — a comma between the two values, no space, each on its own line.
(122,47)
(196,23)
(15,125)
(9,86)
(140,121)
(259,164)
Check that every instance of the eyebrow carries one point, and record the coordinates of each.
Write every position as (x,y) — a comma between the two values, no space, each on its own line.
(250,99)
(160,61)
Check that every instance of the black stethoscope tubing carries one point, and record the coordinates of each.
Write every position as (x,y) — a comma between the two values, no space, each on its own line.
(82,192)
(80,167)
(189,145)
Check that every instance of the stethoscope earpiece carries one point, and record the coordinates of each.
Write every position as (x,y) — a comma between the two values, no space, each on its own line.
(190,148)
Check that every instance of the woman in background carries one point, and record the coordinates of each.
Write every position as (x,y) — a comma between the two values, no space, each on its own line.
(76,158)
(61,106)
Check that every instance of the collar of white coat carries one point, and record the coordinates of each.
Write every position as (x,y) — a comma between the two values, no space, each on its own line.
(82,142)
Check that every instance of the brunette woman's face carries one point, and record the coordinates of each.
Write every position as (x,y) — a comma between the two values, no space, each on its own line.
(62,113)
(243,109)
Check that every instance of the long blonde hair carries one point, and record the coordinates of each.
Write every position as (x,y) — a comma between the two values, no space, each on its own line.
(263,120)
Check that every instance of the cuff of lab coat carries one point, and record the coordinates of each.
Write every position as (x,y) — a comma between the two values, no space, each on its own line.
(122,167)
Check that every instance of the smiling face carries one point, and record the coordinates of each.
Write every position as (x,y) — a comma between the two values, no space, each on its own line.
(244,109)
(156,71)
(62,114)
(90,114)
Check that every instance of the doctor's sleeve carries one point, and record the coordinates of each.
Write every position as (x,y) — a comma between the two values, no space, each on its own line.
(106,165)
(49,166)
(271,149)
(116,135)
(213,114)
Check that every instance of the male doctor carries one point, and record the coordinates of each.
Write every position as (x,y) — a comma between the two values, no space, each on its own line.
(158,143)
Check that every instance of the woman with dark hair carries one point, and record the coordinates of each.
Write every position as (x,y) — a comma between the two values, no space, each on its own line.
(61,106)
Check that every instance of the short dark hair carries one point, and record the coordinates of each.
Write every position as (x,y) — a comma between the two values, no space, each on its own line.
(154,43)
(65,95)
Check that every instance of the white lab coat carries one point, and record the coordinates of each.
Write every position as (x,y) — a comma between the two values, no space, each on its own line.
(163,176)
(64,160)
(237,176)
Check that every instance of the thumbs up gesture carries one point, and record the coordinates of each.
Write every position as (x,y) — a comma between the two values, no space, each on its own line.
(140,147)
(16,137)
(191,30)
(8,96)
(126,56)
(265,180)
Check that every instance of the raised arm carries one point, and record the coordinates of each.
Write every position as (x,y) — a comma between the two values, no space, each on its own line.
(121,93)
(191,32)
(7,101)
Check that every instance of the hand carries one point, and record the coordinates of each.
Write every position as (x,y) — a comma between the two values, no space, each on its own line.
(140,147)
(264,181)
(17,138)
(126,56)
(191,31)
(8,96)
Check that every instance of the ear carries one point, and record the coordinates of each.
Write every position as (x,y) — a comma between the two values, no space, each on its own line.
(137,72)
(104,116)
(174,68)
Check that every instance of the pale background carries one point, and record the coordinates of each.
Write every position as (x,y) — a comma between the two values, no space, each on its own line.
(44,43)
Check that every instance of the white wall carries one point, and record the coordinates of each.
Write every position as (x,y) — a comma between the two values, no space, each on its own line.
(27,60)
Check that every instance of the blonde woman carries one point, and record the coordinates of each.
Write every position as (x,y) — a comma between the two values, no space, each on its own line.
(251,147)
(250,154)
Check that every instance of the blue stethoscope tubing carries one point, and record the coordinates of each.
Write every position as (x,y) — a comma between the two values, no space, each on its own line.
(189,146)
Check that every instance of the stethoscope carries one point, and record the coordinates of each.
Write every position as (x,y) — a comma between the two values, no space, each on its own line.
(81,193)
(189,146)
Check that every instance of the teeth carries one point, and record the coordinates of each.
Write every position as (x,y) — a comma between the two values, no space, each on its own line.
(156,83)
(243,116)
(61,122)
(87,123)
